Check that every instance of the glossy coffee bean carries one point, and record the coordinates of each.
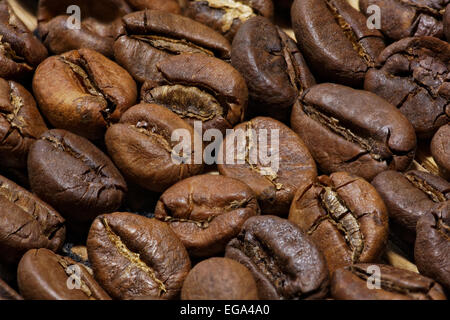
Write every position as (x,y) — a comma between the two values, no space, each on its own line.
(135,256)
(335,39)
(440,149)
(207,211)
(163,5)
(355,283)
(412,75)
(353,131)
(71,174)
(83,91)
(142,148)
(219,279)
(272,65)
(432,248)
(284,261)
(409,197)
(8,293)
(150,36)
(345,217)
(274,184)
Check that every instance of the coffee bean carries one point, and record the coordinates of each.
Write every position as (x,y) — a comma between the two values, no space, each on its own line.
(446,19)
(440,149)
(83,91)
(8,293)
(335,39)
(345,217)
(136,256)
(164,5)
(207,211)
(352,283)
(411,74)
(353,131)
(285,262)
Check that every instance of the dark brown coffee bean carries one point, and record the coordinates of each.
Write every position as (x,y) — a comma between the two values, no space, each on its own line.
(353,131)
(446,19)
(44,275)
(409,197)
(150,36)
(272,66)
(345,217)
(227,16)
(199,88)
(8,293)
(274,183)
(440,149)
(136,256)
(71,174)
(284,261)
(432,248)
(99,26)
(219,279)
(412,74)
(352,283)
(335,39)
(408,18)
(83,91)
(26,223)
(207,211)
(164,5)
(142,148)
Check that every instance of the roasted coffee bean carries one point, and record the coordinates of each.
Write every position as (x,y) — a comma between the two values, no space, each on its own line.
(413,74)
(226,16)
(150,36)
(272,66)
(408,197)
(8,293)
(275,183)
(432,248)
(356,283)
(71,174)
(20,51)
(345,217)
(353,131)
(136,256)
(99,26)
(26,223)
(20,124)
(335,39)
(446,19)
(83,91)
(408,18)
(142,148)
(440,149)
(199,88)
(284,261)
(207,211)
(219,279)
(44,275)
(164,5)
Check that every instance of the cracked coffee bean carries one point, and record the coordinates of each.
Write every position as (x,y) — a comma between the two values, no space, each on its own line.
(26,223)
(345,217)
(8,293)
(100,25)
(82,91)
(150,36)
(142,148)
(20,51)
(284,261)
(274,183)
(44,275)
(74,176)
(351,283)
(409,197)
(353,131)
(163,5)
(408,18)
(335,40)
(227,16)
(219,279)
(199,88)
(207,211)
(440,149)
(135,256)
(273,67)
(432,248)
(413,75)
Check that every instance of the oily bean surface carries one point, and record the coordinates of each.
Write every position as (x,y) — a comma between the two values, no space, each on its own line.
(440,149)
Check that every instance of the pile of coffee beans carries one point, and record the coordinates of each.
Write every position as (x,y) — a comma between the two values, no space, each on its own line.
(197,150)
